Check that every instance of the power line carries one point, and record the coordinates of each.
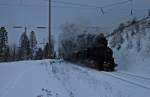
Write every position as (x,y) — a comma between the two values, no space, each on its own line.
(78,5)
(22,5)
(125,11)
(75,4)
(101,8)
(91,6)
(117,3)
(20,27)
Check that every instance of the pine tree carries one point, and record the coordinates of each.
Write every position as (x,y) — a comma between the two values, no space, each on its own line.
(39,54)
(3,44)
(7,54)
(24,49)
(149,13)
(33,43)
(13,53)
(46,52)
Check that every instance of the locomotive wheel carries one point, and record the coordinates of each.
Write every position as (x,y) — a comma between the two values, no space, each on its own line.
(108,67)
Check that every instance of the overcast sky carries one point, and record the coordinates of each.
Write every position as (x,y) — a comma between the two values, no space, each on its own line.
(32,13)
(112,16)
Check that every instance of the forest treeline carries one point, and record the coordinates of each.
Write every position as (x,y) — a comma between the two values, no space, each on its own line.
(27,49)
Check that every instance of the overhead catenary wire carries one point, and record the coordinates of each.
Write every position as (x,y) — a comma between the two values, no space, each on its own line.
(23,26)
(101,8)
(90,6)
(73,5)
(21,5)
(131,12)
(77,5)
(65,3)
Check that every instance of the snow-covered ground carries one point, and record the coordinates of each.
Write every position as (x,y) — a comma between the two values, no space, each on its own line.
(56,78)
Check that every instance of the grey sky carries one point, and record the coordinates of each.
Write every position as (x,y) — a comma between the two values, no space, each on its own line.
(32,13)
(112,17)
(28,13)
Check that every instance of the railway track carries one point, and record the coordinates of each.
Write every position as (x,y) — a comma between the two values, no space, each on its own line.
(134,75)
(132,81)
(136,80)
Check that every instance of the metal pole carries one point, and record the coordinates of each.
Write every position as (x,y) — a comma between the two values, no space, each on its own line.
(49,38)
(50,51)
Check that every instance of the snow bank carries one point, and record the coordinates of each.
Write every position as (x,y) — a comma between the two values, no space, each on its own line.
(134,54)
(56,78)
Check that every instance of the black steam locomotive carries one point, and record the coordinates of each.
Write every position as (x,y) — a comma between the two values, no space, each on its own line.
(99,57)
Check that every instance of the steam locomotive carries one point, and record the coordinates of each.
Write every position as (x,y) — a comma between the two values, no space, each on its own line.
(104,62)
(99,57)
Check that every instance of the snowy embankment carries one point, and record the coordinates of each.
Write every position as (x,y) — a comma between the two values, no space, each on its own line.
(134,55)
(131,46)
(56,78)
